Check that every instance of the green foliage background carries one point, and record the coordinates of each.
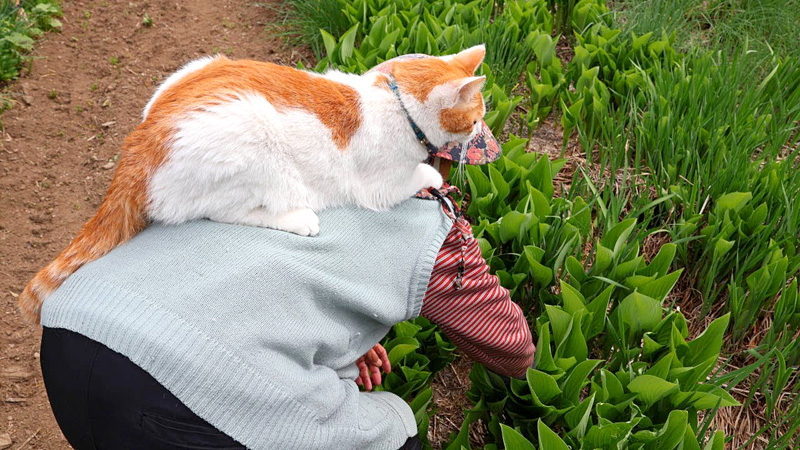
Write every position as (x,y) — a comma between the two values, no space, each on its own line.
(705,142)
(18,27)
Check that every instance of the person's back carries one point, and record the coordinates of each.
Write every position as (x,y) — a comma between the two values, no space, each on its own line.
(263,327)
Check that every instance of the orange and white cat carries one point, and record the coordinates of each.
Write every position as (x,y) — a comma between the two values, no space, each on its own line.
(254,143)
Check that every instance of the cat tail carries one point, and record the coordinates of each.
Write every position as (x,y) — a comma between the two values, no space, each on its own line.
(121,216)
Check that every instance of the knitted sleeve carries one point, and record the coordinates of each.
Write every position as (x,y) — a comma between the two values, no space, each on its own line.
(473,310)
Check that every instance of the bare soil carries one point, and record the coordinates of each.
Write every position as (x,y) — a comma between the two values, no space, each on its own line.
(84,93)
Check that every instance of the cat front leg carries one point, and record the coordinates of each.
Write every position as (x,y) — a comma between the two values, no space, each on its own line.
(303,221)
(424,176)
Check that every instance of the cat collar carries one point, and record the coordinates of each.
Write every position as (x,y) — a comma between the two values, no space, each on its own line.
(432,149)
(481,149)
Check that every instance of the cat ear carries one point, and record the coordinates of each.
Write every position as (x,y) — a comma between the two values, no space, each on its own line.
(466,88)
(471,58)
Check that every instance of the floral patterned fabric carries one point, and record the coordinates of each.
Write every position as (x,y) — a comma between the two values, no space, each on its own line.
(482,149)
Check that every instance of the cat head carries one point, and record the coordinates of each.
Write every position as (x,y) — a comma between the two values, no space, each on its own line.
(443,97)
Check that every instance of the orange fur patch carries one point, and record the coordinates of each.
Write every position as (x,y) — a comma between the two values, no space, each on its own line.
(461,120)
(418,77)
(382,81)
(469,60)
(336,105)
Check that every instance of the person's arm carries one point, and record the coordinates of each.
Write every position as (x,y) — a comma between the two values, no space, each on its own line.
(480,317)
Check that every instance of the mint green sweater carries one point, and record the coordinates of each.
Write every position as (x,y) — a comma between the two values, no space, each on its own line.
(257,331)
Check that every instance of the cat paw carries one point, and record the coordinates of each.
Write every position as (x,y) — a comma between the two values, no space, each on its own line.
(429,177)
(303,222)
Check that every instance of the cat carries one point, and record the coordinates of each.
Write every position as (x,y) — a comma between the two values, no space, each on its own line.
(259,144)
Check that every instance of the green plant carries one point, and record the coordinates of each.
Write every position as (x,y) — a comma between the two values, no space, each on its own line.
(762,25)
(608,69)
(713,139)
(303,20)
(19,27)
(634,396)
(416,350)
(513,37)
(546,80)
(716,139)
(562,12)
(378,30)
(700,148)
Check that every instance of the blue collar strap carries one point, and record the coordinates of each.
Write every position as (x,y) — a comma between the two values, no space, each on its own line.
(432,149)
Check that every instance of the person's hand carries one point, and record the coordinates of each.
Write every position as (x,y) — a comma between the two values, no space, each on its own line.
(371,364)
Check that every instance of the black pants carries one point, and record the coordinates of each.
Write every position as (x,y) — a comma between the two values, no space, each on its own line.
(102,400)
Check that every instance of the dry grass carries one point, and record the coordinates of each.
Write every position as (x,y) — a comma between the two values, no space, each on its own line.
(738,423)
(449,387)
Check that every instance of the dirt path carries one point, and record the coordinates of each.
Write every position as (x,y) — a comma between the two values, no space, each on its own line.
(84,94)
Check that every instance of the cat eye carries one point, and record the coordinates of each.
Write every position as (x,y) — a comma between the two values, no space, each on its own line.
(474,122)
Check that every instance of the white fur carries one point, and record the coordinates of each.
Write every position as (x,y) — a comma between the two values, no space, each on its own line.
(245,162)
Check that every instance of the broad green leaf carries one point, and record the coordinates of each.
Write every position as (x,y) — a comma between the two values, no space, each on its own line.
(689,440)
(52,22)
(650,389)
(19,40)
(573,344)
(612,388)
(722,247)
(420,403)
(329,41)
(757,217)
(543,385)
(734,201)
(573,300)
(597,308)
(603,259)
(639,312)
(543,355)
(610,435)
(548,440)
(500,185)
(513,224)
(709,343)
(660,288)
(541,274)
(581,217)
(575,269)
(541,207)
(560,322)
(618,235)
(45,8)
(717,442)
(628,268)
(399,347)
(649,346)
(513,440)
(708,398)
(478,182)
(672,433)
(406,329)
(661,368)
(578,419)
(542,178)
(577,379)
